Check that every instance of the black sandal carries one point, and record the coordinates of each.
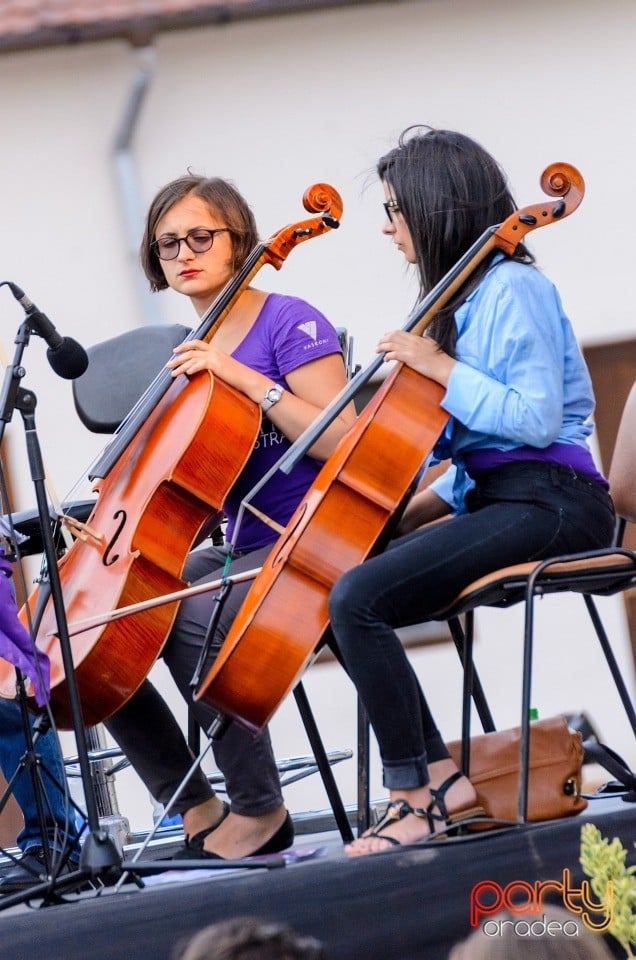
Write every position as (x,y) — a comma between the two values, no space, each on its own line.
(436,812)
(459,816)
(399,809)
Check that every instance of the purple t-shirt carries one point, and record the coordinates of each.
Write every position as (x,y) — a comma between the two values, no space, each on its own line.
(288,333)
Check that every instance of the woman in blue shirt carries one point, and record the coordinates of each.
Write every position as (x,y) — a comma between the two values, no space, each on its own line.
(522,484)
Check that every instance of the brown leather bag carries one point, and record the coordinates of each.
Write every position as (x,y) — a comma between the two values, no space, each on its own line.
(556,759)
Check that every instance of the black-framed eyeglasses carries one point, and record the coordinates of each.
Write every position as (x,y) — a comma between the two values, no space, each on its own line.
(391,207)
(199,240)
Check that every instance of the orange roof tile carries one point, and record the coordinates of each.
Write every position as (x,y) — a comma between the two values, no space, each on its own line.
(27,24)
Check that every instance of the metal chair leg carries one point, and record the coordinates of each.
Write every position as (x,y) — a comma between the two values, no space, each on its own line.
(611,661)
(526,686)
(472,687)
(322,762)
(364,807)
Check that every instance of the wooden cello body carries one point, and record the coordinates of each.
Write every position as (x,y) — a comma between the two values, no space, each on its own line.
(348,512)
(149,511)
(162,479)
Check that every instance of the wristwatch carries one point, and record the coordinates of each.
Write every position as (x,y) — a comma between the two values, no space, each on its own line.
(271,397)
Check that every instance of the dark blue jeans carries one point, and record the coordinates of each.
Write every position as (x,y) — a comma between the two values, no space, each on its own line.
(517,513)
(60,816)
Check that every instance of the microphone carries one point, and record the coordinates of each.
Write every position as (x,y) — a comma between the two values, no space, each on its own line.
(66,356)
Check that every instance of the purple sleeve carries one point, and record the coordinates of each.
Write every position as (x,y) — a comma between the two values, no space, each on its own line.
(16,645)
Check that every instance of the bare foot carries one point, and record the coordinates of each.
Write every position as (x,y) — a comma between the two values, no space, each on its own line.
(239,836)
(411,829)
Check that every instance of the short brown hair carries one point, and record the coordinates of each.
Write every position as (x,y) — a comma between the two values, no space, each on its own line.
(222,197)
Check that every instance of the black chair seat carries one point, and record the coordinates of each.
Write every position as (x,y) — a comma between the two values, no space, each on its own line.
(120,370)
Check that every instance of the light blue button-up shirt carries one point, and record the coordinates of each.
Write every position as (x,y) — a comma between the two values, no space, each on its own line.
(520,377)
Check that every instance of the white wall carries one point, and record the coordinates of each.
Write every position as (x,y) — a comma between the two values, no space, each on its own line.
(276,105)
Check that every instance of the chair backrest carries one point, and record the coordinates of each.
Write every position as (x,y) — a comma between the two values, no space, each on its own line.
(120,370)
(622,473)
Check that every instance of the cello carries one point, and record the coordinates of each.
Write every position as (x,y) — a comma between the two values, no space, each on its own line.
(161,480)
(355,500)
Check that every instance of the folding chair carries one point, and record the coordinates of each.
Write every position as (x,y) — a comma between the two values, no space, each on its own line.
(593,573)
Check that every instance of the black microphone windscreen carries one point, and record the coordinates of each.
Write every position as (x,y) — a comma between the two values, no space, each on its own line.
(69,360)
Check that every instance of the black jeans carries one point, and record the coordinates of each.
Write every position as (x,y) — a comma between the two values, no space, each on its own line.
(518,512)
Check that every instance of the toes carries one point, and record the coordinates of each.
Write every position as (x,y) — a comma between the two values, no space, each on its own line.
(365,845)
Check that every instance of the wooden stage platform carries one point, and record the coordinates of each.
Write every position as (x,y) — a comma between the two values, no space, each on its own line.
(408,904)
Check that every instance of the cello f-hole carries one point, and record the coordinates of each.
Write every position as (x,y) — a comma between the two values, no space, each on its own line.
(106,560)
(280,553)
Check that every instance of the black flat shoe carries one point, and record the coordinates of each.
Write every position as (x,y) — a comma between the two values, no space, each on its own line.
(195,842)
(282,839)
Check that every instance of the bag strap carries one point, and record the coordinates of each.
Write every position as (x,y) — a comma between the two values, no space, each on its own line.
(608,758)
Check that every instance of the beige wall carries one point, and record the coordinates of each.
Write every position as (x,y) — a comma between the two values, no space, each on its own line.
(276,105)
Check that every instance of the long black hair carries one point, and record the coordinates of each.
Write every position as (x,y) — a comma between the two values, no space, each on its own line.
(449,190)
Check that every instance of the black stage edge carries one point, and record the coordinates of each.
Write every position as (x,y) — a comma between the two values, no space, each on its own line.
(410,904)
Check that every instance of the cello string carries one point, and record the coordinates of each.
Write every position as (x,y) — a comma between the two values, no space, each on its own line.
(211,319)
(559,180)
(417,321)
(323,198)
(159,386)
(320,198)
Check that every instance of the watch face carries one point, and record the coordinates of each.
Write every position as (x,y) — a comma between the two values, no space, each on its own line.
(272,396)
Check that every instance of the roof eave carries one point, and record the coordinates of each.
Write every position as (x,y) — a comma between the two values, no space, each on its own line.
(141,31)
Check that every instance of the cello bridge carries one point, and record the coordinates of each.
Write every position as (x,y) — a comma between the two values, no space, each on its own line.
(81,531)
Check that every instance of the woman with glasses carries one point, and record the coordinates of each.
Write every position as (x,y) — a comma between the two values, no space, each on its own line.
(522,484)
(285,356)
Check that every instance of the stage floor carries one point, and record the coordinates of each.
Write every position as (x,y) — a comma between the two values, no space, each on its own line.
(408,903)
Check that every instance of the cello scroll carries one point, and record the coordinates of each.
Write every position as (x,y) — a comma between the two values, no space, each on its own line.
(558,180)
(320,198)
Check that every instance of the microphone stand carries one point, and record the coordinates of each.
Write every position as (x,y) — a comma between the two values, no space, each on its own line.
(99,856)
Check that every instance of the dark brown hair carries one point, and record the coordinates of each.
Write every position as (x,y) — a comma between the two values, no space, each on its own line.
(222,197)
(249,938)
